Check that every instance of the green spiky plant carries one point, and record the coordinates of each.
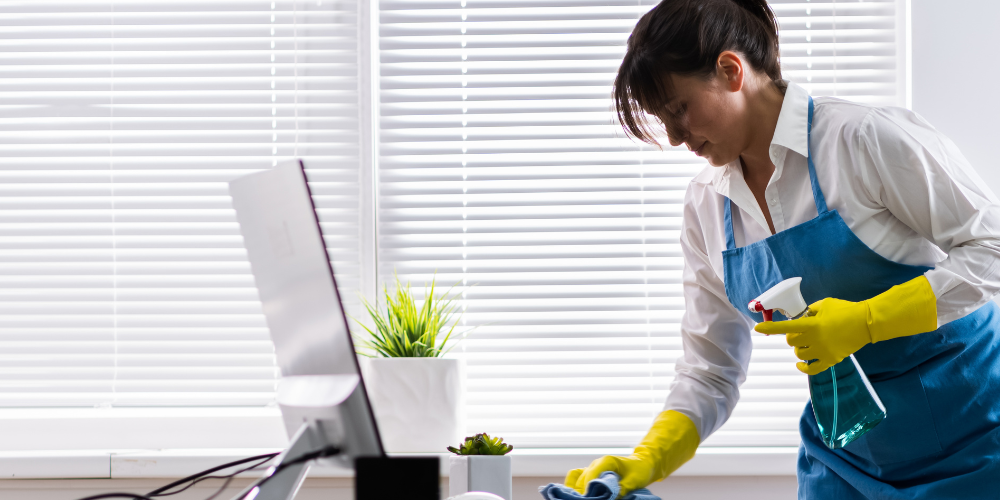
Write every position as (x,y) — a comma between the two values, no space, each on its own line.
(405,330)
(482,444)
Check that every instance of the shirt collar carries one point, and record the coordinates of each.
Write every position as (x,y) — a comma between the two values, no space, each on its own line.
(790,133)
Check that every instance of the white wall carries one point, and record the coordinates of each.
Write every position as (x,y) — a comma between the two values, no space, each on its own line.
(953,76)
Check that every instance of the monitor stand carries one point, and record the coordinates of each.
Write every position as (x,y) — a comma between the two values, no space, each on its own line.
(284,484)
(314,401)
(419,474)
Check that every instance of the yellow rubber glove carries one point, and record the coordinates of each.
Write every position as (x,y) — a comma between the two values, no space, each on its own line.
(671,441)
(837,328)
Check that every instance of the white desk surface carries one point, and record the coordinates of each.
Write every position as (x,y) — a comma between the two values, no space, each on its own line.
(176,463)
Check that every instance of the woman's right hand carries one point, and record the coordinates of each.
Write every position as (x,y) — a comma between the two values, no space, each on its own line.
(634,472)
(671,441)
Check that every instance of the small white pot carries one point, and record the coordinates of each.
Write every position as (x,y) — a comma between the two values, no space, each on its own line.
(489,473)
(419,403)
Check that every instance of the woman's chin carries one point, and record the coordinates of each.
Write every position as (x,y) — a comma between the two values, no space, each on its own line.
(717,159)
(715,163)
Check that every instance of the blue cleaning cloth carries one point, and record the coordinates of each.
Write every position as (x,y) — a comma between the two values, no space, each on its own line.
(603,488)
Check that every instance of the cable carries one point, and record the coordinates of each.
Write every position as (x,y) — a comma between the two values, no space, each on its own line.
(134,496)
(221,488)
(194,478)
(325,452)
(204,475)
(227,477)
(230,477)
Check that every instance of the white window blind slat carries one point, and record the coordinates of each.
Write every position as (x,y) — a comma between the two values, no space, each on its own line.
(501,171)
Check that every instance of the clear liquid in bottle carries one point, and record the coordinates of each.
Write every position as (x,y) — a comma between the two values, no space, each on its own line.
(844,403)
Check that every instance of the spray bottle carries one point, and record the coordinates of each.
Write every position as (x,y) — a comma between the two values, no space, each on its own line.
(845,405)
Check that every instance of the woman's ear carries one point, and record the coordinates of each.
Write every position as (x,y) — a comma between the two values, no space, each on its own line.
(730,70)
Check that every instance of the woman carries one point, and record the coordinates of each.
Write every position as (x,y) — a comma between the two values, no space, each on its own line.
(894,235)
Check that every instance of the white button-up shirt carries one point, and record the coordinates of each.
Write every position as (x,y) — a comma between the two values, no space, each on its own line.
(901,186)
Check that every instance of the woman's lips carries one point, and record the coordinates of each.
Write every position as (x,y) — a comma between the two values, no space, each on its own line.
(700,148)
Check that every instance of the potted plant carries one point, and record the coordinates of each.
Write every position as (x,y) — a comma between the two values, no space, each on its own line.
(417,394)
(481,464)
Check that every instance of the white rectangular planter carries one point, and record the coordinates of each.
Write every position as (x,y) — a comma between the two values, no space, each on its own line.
(419,403)
(489,473)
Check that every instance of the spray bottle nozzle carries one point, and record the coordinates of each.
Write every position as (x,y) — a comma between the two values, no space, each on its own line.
(784,297)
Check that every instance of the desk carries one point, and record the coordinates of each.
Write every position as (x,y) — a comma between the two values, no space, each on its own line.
(114,464)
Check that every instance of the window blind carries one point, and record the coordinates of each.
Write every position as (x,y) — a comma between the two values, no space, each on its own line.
(125,281)
(501,172)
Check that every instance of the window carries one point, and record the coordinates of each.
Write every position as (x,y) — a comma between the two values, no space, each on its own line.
(126,282)
(499,169)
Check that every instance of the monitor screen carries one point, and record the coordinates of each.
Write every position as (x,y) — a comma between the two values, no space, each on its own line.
(321,383)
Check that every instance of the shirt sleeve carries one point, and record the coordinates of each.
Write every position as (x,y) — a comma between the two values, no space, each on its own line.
(920,176)
(716,337)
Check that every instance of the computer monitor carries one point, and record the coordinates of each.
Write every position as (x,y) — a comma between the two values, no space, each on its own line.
(321,392)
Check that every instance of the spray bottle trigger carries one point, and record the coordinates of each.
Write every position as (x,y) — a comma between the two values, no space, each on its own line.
(756,306)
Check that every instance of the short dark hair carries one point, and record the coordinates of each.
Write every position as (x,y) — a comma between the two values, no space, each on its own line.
(685,37)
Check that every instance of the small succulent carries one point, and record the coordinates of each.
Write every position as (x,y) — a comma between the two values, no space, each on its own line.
(482,444)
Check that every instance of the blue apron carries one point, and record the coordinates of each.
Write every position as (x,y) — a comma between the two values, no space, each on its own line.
(941,434)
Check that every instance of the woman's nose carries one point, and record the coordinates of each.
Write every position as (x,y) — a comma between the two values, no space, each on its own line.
(676,134)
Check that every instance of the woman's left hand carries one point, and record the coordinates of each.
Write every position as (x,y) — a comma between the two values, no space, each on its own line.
(838,328)
(834,330)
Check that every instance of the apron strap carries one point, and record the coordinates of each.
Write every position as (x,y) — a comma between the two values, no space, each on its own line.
(730,240)
(817,192)
(818,197)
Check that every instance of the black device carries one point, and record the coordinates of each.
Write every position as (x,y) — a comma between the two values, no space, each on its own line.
(392,478)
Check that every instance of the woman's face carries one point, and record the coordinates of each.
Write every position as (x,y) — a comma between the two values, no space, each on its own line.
(705,114)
